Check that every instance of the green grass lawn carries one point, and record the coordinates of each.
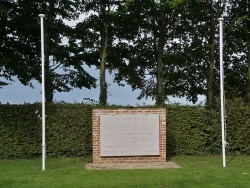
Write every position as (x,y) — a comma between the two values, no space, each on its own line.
(71,172)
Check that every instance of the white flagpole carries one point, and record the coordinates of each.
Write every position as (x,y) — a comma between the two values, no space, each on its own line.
(43,94)
(222,94)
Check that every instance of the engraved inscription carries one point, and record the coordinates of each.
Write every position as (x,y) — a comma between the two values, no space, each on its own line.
(129,135)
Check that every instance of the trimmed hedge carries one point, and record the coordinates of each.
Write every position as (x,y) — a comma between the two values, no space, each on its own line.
(68,130)
(190,130)
(197,131)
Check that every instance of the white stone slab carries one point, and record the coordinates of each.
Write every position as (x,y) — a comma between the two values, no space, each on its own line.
(129,135)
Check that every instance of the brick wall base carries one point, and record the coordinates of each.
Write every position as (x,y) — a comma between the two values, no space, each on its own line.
(110,159)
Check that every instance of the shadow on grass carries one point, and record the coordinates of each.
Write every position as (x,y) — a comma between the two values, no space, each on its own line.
(171,156)
(231,158)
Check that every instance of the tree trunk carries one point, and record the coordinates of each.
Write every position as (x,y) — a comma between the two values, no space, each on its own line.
(49,86)
(49,91)
(248,76)
(103,55)
(160,96)
(210,80)
(248,55)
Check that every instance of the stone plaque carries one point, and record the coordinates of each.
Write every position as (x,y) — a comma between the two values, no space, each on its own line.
(129,135)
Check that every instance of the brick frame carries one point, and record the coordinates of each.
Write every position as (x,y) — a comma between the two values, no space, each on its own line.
(96,135)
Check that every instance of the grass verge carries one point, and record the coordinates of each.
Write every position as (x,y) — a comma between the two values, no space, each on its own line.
(71,172)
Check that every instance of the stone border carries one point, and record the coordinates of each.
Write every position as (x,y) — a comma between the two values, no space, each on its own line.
(141,165)
(96,135)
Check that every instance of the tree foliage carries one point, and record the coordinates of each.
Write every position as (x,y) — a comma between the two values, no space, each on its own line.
(15,59)
(161,47)
(61,72)
(237,63)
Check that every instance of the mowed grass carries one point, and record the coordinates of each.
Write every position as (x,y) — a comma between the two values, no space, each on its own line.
(71,172)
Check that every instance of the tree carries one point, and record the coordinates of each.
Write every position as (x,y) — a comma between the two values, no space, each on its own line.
(14,61)
(196,32)
(4,7)
(160,47)
(237,50)
(210,79)
(103,51)
(61,72)
(55,49)
(144,41)
(160,98)
(94,39)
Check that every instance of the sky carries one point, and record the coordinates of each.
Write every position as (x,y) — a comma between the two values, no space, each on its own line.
(16,93)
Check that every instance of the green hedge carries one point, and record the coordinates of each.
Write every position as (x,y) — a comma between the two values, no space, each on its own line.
(68,130)
(197,131)
(190,130)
